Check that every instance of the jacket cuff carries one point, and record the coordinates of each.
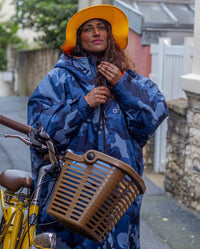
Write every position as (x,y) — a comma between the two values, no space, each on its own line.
(83,107)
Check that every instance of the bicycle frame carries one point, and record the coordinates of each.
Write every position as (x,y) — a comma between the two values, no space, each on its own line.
(26,238)
(14,217)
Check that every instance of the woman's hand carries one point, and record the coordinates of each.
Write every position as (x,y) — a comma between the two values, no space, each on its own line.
(97,96)
(110,72)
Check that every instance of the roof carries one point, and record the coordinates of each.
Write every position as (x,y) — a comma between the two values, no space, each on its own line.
(175,17)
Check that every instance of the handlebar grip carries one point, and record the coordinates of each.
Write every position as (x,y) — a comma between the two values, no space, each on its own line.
(26,129)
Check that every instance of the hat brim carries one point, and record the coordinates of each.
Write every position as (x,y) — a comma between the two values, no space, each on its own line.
(115,16)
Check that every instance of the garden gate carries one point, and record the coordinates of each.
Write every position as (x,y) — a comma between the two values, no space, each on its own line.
(169,62)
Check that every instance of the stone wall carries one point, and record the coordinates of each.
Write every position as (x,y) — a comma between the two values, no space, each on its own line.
(148,152)
(182,176)
(32,66)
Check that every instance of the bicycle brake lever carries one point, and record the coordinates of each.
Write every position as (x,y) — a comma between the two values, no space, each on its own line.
(24,140)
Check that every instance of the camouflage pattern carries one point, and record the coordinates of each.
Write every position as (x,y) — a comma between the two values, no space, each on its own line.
(130,119)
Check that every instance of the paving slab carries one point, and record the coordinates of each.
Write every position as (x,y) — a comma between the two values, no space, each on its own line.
(151,239)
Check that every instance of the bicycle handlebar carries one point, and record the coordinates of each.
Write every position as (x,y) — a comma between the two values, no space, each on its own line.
(26,129)
(36,137)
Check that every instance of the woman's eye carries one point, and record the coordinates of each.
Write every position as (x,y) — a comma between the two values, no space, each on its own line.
(101,28)
(88,29)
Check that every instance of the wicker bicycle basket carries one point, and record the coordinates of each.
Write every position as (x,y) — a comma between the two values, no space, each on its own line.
(93,192)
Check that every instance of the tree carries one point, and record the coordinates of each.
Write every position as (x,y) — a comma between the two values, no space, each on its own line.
(8,36)
(47,17)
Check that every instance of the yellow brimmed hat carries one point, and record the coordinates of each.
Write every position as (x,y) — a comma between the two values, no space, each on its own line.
(115,16)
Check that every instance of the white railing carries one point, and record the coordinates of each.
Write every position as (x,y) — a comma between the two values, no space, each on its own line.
(169,62)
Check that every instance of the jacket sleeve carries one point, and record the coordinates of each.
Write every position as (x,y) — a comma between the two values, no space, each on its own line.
(53,105)
(142,103)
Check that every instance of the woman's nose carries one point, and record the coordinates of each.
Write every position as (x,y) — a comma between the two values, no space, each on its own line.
(96,31)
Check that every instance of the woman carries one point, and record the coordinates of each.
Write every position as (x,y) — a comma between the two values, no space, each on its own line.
(93,100)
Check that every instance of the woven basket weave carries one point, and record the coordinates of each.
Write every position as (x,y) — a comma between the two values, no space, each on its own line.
(93,192)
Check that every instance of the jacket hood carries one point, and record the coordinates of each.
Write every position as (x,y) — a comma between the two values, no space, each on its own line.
(79,67)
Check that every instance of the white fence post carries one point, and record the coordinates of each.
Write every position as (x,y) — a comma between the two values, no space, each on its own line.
(158,68)
(188,55)
(157,53)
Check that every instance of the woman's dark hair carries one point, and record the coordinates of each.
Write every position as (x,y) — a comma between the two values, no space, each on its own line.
(112,54)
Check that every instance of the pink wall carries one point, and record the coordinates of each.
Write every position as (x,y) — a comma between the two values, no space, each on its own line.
(140,54)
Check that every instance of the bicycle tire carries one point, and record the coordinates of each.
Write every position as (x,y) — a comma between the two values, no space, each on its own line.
(2,224)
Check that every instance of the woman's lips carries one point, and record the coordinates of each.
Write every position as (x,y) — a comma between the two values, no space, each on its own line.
(97,41)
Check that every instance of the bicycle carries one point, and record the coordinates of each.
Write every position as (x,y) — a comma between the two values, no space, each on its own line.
(17,229)
(92,192)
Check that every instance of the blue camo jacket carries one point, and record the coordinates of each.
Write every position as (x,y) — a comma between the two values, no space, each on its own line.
(130,120)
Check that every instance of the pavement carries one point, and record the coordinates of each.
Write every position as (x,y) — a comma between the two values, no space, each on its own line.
(165,223)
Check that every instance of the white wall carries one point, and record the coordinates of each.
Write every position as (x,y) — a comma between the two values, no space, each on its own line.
(7,11)
(85,3)
(191,82)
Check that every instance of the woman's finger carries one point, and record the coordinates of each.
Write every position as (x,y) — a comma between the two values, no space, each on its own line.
(110,72)
(98,95)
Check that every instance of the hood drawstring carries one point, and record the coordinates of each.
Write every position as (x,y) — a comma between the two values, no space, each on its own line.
(102,118)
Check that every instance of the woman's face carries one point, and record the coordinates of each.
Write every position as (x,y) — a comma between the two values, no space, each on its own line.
(94,36)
